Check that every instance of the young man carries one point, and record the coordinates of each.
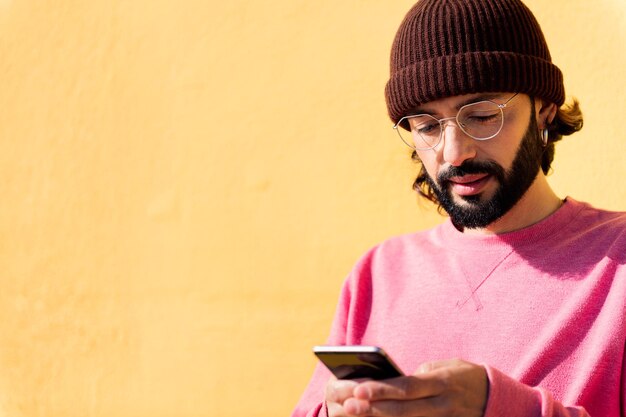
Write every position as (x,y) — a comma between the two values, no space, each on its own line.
(526,289)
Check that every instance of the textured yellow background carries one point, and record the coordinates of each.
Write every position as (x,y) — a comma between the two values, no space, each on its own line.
(186,183)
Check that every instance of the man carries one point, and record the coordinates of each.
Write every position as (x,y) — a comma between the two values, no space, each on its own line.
(527,289)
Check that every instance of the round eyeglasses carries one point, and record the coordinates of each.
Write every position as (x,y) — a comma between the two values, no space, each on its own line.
(481,120)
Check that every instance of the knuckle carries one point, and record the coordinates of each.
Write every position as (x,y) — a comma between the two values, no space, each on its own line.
(330,395)
(332,391)
(338,391)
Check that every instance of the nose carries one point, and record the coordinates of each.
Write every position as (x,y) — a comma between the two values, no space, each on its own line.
(457,145)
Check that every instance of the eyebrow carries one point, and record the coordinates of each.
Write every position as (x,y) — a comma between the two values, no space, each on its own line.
(475,99)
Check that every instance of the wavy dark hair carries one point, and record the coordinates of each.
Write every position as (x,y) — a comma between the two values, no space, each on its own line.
(568,120)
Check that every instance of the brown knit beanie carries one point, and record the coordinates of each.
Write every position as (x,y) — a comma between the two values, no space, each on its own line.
(447,48)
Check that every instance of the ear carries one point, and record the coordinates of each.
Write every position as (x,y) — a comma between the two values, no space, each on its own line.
(545,111)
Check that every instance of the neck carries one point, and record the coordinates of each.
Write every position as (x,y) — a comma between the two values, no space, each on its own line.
(536,204)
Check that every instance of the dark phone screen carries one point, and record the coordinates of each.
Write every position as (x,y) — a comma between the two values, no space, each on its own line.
(349,365)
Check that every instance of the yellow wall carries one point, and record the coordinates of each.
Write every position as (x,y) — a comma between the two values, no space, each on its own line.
(185,185)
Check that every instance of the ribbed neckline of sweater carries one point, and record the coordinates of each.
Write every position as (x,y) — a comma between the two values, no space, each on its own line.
(539,233)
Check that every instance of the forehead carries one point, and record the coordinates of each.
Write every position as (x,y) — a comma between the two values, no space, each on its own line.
(454,103)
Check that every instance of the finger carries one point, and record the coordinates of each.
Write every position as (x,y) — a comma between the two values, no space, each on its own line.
(339,390)
(442,405)
(401,388)
(355,407)
(335,410)
(421,407)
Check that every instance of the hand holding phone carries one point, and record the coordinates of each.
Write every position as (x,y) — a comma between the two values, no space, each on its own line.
(357,361)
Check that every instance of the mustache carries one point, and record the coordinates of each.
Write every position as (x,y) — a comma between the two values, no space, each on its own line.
(472,167)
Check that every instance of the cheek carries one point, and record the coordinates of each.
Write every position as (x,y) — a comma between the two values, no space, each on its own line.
(501,153)
(505,150)
(513,134)
(429,161)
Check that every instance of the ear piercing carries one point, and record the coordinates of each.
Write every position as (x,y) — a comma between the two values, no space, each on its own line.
(544,137)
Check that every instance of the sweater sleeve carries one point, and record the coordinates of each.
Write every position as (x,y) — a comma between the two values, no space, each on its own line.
(350,320)
(312,403)
(508,397)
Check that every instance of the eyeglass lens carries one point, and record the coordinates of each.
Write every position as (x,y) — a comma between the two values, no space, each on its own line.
(481,121)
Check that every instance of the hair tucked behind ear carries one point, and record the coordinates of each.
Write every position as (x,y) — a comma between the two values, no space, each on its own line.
(568,120)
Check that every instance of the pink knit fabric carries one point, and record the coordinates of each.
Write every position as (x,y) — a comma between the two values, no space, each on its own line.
(543,308)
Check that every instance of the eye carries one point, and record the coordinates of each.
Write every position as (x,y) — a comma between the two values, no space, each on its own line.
(481,117)
(426,127)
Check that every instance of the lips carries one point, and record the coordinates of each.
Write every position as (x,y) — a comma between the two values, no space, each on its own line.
(470,184)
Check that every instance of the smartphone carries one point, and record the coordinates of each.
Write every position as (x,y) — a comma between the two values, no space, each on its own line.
(357,361)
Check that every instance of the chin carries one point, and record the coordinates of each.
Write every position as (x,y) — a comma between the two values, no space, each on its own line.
(470,199)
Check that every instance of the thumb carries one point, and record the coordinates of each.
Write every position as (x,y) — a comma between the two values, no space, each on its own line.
(431,366)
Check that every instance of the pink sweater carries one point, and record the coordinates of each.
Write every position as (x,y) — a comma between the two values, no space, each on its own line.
(543,308)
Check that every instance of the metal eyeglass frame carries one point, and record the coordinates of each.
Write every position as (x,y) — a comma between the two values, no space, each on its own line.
(501,107)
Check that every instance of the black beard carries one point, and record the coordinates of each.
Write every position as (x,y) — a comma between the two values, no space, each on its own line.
(513,184)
